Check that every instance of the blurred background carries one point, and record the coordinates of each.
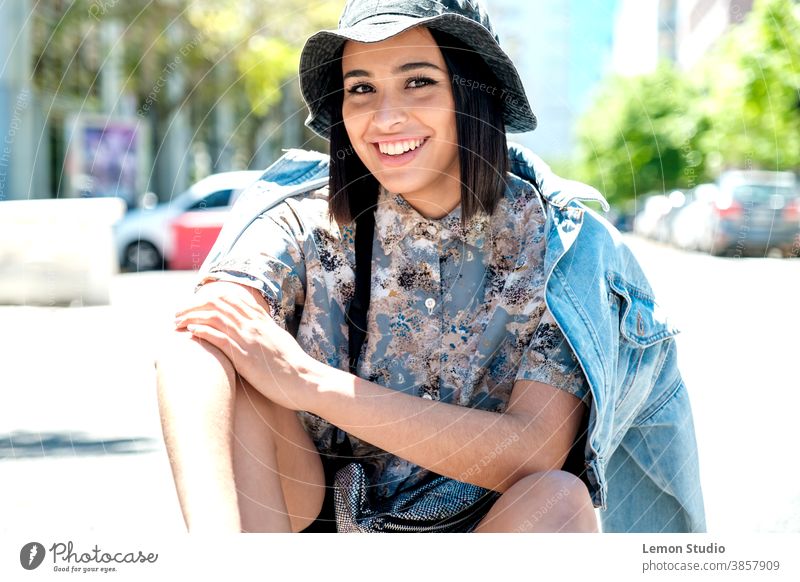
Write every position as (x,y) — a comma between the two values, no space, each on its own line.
(128,129)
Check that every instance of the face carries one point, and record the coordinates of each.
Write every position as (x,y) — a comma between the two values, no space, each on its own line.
(397,97)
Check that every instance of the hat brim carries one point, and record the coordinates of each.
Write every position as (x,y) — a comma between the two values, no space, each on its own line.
(320,50)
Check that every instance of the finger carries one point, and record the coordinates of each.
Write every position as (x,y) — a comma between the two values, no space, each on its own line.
(245,299)
(243,306)
(217,338)
(214,318)
(212,306)
(197,302)
(219,321)
(193,307)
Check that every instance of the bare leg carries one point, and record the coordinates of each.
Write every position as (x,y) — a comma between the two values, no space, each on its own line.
(240,462)
(279,477)
(549,501)
(195,397)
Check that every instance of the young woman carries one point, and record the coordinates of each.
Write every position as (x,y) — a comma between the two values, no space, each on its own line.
(465,407)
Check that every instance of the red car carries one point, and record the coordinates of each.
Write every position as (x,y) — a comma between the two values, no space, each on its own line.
(179,234)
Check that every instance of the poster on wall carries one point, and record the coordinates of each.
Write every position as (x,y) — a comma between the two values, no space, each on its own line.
(104,158)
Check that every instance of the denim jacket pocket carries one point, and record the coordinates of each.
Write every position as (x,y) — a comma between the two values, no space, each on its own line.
(643,327)
(642,323)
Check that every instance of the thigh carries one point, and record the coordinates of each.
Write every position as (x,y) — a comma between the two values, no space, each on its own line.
(298,462)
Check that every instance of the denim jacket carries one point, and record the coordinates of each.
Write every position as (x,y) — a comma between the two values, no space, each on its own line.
(641,454)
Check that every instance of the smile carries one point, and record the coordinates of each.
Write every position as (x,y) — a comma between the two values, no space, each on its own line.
(399,152)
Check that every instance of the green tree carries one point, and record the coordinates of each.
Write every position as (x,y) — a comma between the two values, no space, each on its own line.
(243,51)
(752,79)
(641,134)
(263,39)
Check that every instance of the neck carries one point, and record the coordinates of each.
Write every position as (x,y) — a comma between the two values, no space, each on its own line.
(437,201)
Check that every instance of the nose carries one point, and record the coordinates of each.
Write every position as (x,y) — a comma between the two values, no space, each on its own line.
(390,111)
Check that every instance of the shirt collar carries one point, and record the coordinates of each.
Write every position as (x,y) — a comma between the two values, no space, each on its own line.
(395,219)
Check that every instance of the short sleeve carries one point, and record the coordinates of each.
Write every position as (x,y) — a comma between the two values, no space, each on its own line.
(549,359)
(268,257)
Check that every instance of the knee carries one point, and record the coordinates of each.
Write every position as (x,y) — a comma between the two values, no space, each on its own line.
(182,360)
(556,485)
(556,497)
(555,481)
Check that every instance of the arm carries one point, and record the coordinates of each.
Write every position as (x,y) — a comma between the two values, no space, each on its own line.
(488,449)
(195,383)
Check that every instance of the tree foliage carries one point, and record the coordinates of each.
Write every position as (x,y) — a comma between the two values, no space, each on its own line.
(180,54)
(641,134)
(739,107)
(751,82)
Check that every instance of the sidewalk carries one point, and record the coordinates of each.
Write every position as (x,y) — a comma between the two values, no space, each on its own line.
(80,436)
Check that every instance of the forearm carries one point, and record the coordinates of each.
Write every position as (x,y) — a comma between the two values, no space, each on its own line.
(487,449)
(195,395)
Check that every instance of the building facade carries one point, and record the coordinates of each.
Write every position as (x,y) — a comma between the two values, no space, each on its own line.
(699,23)
(562,49)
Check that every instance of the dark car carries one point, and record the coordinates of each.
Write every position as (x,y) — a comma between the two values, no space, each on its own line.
(752,213)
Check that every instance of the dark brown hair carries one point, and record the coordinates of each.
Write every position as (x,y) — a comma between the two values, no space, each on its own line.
(480,129)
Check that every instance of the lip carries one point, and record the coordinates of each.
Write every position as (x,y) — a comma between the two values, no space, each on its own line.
(395,138)
(401,159)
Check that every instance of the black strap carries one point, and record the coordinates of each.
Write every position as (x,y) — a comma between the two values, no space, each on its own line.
(357,314)
(357,324)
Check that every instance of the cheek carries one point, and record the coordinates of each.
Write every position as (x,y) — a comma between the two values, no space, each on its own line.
(444,117)
(446,123)
(355,126)
(355,117)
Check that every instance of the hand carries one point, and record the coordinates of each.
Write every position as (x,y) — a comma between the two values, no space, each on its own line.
(263,353)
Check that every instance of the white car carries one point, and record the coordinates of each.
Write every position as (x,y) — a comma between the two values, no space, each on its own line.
(145,238)
(656,206)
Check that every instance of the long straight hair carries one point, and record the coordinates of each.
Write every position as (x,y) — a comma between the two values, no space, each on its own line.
(480,130)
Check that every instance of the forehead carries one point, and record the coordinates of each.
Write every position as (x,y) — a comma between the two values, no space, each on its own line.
(414,42)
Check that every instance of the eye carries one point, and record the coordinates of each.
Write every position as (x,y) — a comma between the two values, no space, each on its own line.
(417,82)
(353,89)
(423,81)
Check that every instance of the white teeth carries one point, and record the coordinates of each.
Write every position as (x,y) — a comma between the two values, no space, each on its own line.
(396,148)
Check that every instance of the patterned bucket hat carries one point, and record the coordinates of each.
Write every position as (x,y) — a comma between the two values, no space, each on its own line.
(377,20)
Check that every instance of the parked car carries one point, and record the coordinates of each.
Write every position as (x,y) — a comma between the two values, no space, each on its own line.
(656,206)
(147,238)
(664,224)
(752,213)
(691,220)
(620,217)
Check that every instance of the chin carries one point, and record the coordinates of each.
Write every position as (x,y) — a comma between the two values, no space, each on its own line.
(402,180)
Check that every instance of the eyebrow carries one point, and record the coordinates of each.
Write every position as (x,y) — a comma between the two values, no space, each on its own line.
(401,69)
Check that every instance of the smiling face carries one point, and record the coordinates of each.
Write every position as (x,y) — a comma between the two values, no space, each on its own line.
(398,98)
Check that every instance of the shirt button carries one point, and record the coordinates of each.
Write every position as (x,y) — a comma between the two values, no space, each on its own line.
(430,303)
(431,229)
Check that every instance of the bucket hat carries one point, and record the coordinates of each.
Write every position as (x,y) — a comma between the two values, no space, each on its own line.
(378,20)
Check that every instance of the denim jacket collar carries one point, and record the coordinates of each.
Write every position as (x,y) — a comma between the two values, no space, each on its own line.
(557,191)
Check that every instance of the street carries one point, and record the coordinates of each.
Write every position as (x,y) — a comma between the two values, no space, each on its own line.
(80,437)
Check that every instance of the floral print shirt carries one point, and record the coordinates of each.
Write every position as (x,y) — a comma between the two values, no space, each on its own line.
(456,314)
